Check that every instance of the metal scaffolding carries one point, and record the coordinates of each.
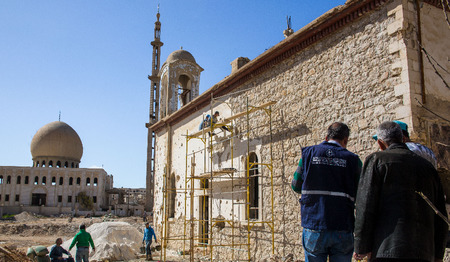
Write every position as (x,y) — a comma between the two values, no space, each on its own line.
(199,239)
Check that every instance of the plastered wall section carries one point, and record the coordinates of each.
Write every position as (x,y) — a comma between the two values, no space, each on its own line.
(350,76)
(227,152)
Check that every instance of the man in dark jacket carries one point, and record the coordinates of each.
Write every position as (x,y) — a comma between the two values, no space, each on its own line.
(57,251)
(327,177)
(393,221)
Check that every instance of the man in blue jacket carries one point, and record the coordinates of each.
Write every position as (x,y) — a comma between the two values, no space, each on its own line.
(148,233)
(57,251)
(327,177)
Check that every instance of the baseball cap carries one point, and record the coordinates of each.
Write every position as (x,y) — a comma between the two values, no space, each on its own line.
(402,125)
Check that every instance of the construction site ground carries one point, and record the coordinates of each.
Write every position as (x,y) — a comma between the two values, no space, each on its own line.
(28,230)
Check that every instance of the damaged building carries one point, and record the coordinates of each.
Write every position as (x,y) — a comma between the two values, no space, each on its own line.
(55,184)
(224,191)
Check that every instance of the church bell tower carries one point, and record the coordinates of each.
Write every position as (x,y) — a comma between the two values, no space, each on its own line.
(153,115)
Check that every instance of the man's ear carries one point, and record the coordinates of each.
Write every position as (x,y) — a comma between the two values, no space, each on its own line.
(345,142)
(326,138)
(382,145)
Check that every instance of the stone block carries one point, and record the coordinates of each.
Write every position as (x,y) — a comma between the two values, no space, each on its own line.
(398,67)
(402,112)
(394,8)
(401,89)
(394,27)
(395,47)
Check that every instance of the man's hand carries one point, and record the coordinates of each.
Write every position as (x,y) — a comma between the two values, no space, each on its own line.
(362,256)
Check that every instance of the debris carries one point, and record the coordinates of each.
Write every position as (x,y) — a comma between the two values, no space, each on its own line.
(114,241)
(12,255)
(25,217)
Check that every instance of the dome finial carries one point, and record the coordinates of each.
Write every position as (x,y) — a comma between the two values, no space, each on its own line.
(59,118)
(157,14)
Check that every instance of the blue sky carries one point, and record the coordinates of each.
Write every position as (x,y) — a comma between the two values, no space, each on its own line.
(90,59)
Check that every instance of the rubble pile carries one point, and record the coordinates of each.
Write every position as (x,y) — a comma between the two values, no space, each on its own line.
(11,254)
(114,241)
(25,217)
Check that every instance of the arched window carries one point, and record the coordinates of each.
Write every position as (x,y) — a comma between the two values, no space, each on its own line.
(78,181)
(73,165)
(19,180)
(8,180)
(50,164)
(58,164)
(66,164)
(253,186)
(44,180)
(37,164)
(53,181)
(70,181)
(1,179)
(95,181)
(36,180)
(88,181)
(26,180)
(61,181)
(43,163)
(172,196)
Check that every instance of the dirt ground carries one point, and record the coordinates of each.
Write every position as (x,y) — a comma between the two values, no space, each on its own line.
(16,236)
(28,230)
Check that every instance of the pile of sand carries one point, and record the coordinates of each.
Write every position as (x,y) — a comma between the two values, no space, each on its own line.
(25,217)
(12,254)
(115,241)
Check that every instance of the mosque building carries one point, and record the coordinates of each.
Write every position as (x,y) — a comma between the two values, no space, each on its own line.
(55,183)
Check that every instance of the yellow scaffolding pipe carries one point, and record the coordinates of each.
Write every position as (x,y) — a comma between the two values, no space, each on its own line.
(206,222)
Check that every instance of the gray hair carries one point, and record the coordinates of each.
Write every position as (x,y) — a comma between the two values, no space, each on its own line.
(390,132)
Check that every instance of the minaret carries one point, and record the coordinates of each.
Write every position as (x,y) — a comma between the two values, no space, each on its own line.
(153,116)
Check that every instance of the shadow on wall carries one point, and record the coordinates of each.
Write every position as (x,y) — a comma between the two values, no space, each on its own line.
(440,137)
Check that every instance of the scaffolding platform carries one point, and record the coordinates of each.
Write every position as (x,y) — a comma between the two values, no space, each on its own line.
(200,227)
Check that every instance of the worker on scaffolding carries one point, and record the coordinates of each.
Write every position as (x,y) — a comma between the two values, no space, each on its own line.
(207,121)
(327,177)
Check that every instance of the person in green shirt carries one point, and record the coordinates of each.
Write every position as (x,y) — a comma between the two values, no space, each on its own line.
(82,239)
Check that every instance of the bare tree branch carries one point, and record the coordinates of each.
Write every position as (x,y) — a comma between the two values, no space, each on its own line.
(445,11)
(429,57)
(429,110)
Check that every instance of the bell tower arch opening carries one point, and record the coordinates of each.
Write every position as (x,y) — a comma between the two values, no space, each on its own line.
(180,79)
(184,90)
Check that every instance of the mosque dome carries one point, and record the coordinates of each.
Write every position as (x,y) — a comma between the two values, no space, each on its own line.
(180,55)
(56,145)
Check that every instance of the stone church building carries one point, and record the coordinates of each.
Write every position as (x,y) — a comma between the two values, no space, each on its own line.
(52,185)
(225,194)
